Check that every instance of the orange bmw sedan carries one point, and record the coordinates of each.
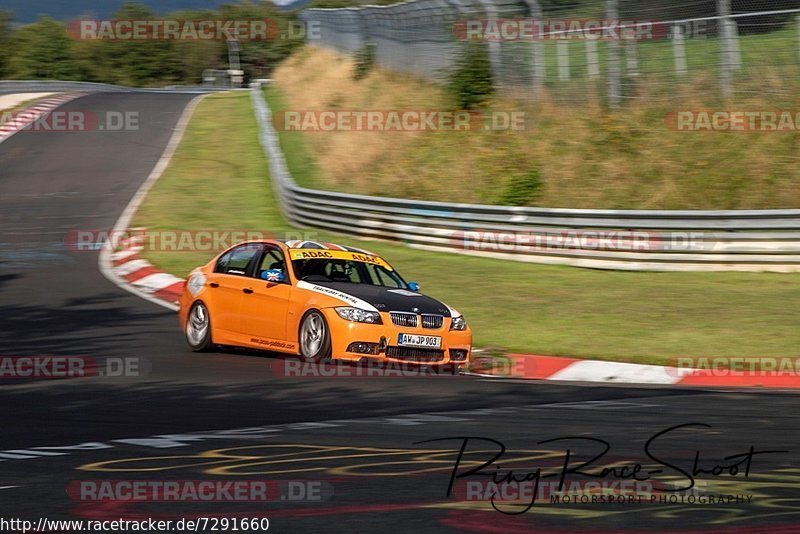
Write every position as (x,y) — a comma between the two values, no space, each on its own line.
(321,301)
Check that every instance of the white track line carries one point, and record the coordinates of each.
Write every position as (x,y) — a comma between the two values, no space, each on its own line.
(105,261)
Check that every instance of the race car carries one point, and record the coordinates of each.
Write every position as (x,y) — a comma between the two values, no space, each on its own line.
(321,301)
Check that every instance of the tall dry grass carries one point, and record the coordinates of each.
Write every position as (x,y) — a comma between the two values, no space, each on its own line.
(585,155)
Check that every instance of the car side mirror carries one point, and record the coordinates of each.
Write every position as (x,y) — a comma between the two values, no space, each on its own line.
(273,275)
(413,286)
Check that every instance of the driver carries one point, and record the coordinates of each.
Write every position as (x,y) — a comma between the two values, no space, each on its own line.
(307,268)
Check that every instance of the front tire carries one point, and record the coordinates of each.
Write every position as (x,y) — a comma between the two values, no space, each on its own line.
(198,327)
(315,337)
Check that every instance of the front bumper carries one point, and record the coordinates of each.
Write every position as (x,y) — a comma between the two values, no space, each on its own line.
(346,336)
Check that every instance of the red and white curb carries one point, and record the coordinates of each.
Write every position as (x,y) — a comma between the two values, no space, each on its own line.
(530,367)
(142,275)
(122,265)
(25,117)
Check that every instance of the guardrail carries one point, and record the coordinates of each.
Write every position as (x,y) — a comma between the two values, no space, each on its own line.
(32,86)
(740,240)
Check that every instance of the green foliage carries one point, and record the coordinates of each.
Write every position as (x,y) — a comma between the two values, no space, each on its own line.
(365,60)
(137,63)
(42,50)
(521,189)
(470,82)
(5,41)
(45,50)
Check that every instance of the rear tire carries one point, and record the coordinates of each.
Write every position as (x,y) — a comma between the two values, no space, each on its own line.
(198,327)
(315,337)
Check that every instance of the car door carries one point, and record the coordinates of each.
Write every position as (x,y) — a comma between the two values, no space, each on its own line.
(228,285)
(265,306)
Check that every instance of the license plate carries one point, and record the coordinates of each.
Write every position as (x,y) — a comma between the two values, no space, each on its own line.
(414,340)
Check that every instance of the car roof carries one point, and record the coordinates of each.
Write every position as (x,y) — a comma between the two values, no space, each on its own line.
(297,243)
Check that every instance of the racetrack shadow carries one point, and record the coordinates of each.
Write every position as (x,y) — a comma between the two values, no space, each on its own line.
(101,325)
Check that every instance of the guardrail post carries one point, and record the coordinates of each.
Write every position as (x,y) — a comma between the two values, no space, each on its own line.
(726,52)
(562,46)
(537,48)
(592,61)
(494,45)
(679,50)
(614,76)
(631,61)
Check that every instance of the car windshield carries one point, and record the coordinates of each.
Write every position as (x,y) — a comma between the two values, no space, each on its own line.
(347,271)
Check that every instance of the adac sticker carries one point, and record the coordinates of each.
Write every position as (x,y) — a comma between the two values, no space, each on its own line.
(313,254)
(196,283)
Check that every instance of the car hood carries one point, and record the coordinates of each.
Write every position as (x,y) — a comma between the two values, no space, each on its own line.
(386,299)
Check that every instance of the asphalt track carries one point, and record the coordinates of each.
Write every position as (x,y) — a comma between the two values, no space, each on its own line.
(358,438)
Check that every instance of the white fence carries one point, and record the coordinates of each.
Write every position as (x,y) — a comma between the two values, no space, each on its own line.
(741,44)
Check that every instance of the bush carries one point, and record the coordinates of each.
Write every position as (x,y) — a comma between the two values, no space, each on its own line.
(365,60)
(521,189)
(470,82)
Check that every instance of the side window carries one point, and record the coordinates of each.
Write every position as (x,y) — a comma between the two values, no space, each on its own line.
(238,260)
(222,263)
(272,259)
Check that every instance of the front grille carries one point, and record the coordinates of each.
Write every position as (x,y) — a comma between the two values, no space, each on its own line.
(432,321)
(404,319)
(410,354)
(409,320)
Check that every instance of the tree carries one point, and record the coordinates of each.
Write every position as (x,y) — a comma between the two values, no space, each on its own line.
(138,63)
(5,41)
(42,50)
(470,82)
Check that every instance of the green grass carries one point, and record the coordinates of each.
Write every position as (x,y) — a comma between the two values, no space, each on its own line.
(218,180)
(305,170)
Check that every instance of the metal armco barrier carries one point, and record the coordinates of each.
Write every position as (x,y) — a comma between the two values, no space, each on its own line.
(33,86)
(735,240)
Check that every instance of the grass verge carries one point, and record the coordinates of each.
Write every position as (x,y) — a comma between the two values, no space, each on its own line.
(218,180)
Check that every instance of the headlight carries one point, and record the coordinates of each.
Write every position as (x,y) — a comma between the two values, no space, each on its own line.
(357,315)
(458,323)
